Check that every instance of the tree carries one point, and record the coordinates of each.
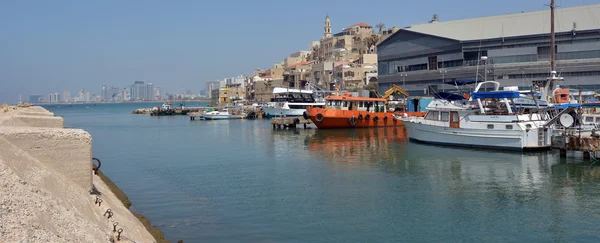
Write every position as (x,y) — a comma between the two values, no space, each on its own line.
(380,26)
(371,41)
(371,86)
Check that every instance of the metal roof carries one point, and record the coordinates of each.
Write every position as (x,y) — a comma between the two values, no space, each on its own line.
(512,25)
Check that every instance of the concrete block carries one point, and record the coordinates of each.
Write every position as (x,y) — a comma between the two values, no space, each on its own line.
(68,151)
(34,121)
(34,111)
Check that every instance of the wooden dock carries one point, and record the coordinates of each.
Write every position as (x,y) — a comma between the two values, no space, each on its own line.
(289,122)
(585,143)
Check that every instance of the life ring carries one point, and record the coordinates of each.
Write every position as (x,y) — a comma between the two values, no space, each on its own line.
(352,121)
(360,117)
(319,117)
(376,118)
(305,115)
(367,117)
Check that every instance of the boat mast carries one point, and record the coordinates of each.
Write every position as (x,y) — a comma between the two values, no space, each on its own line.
(549,86)
(552,64)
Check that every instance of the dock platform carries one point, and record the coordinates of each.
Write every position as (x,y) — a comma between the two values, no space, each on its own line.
(585,143)
(289,122)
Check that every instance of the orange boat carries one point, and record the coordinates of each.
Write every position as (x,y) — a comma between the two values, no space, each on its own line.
(346,111)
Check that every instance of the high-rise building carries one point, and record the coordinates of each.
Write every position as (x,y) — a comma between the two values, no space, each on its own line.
(82,95)
(112,94)
(239,80)
(149,94)
(138,90)
(126,94)
(210,86)
(35,98)
(53,98)
(88,98)
(104,93)
(158,93)
(66,97)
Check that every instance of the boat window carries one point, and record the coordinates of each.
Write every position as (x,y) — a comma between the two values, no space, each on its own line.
(490,126)
(509,127)
(455,117)
(429,116)
(433,115)
(528,126)
(445,116)
(589,119)
(344,104)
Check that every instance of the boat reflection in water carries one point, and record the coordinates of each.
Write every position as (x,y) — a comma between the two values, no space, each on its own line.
(355,146)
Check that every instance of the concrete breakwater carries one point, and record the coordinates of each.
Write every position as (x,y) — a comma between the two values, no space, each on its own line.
(48,192)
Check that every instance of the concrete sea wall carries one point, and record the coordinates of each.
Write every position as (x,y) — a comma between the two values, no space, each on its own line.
(48,192)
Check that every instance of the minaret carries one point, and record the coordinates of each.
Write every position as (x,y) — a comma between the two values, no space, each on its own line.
(327,27)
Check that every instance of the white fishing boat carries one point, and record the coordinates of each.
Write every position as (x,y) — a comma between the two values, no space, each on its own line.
(486,120)
(223,114)
(290,102)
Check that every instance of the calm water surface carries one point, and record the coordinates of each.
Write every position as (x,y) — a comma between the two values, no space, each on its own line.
(232,181)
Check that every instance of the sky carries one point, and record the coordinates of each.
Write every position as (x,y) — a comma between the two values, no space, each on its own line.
(49,46)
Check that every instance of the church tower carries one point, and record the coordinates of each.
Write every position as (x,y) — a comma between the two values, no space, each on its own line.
(327,27)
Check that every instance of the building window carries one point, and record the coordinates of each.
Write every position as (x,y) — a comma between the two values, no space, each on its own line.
(447,64)
(474,55)
(417,67)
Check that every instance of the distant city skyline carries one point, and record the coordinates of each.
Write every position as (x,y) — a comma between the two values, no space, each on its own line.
(138,91)
(49,47)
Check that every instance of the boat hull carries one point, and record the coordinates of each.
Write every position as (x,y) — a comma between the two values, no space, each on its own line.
(271,112)
(336,119)
(222,117)
(476,138)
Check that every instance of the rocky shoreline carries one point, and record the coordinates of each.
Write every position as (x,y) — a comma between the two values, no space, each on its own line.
(49,191)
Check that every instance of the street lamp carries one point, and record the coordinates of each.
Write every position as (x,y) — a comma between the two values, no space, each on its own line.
(484,59)
(443,72)
(403,75)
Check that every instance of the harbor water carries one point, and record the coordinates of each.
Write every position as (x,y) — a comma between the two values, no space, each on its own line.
(242,181)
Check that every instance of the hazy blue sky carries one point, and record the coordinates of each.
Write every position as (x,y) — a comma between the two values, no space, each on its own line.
(48,46)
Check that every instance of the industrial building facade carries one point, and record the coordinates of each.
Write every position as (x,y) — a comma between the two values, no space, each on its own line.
(427,57)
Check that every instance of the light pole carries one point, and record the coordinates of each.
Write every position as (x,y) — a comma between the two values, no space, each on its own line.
(443,72)
(484,58)
(403,75)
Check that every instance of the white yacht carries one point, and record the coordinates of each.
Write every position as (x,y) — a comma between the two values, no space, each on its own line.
(290,102)
(486,120)
(223,114)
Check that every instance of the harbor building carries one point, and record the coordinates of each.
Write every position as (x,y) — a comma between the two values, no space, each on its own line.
(513,49)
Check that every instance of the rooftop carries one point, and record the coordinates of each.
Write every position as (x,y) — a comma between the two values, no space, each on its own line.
(512,25)
(361,24)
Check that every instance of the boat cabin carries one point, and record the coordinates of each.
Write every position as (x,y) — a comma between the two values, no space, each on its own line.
(292,95)
(348,102)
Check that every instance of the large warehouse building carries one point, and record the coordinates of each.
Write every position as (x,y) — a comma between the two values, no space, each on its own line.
(425,57)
